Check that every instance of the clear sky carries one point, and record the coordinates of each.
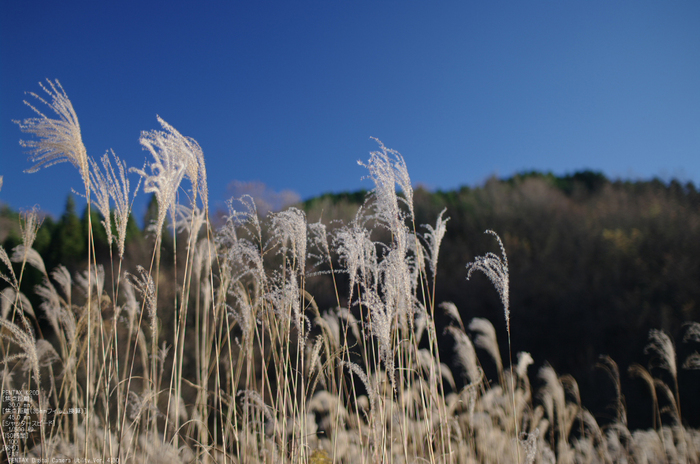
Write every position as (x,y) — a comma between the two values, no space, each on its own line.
(288,93)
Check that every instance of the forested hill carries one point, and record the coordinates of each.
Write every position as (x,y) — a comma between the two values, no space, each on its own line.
(594,265)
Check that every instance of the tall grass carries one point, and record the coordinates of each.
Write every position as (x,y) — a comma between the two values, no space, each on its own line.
(226,357)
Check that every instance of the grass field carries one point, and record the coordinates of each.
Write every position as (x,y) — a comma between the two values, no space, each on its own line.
(222,354)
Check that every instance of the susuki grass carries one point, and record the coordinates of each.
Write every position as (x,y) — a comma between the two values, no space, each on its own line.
(232,360)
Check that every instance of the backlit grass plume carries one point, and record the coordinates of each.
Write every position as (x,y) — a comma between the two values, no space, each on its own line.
(58,140)
(496,269)
(174,157)
(106,185)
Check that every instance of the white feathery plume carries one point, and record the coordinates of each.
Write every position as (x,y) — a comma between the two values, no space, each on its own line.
(189,220)
(318,239)
(357,370)
(496,269)
(661,345)
(386,169)
(355,249)
(289,231)
(1,182)
(692,361)
(131,305)
(524,360)
(693,332)
(350,321)
(59,140)
(7,300)
(486,339)
(51,304)
(315,357)
(11,279)
(175,157)
(465,354)
(144,284)
(96,278)
(245,316)
(253,398)
(9,297)
(26,342)
(434,239)
(46,354)
(330,321)
(529,442)
(553,397)
(21,254)
(106,185)
(29,224)
(382,316)
(62,278)
(452,311)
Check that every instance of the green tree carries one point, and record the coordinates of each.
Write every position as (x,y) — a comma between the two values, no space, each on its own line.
(68,243)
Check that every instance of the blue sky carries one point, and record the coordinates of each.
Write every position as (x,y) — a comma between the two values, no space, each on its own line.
(289,93)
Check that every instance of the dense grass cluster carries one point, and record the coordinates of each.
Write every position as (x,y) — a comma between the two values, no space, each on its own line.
(226,356)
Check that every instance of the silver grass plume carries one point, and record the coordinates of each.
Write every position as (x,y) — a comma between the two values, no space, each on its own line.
(289,231)
(386,169)
(692,361)
(95,276)
(381,319)
(315,357)
(251,398)
(529,442)
(144,284)
(350,321)
(356,251)
(29,224)
(111,184)
(12,278)
(21,254)
(245,316)
(661,345)
(452,311)
(486,339)
(62,278)
(434,239)
(59,140)
(26,341)
(318,239)
(465,354)
(524,361)
(242,255)
(175,157)
(692,334)
(7,300)
(189,220)
(357,370)
(496,269)
(1,182)
(51,304)
(9,297)
(554,398)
